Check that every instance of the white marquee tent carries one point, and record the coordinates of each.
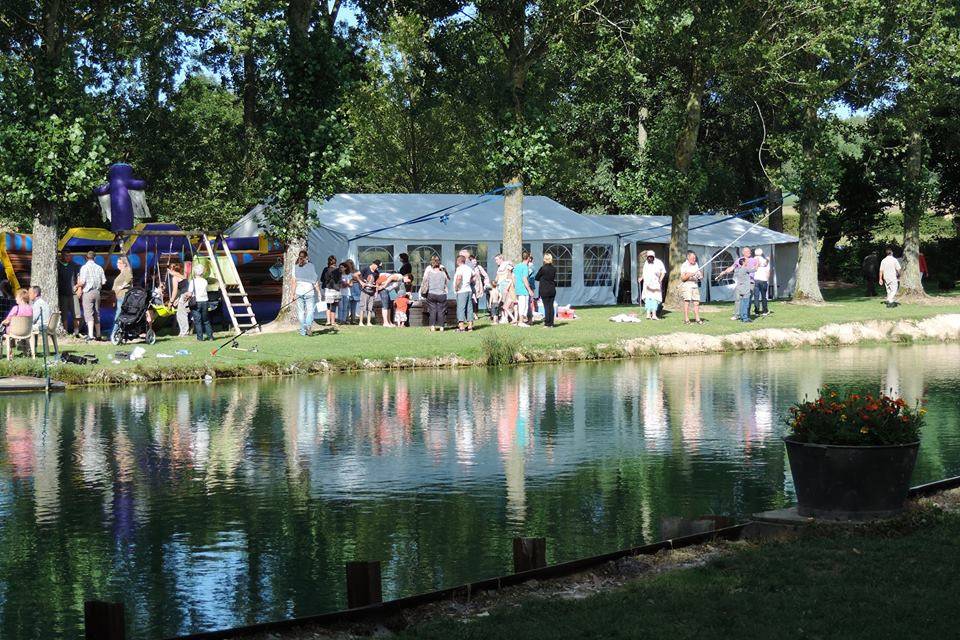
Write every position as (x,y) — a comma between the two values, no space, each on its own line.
(708,235)
(364,227)
(589,251)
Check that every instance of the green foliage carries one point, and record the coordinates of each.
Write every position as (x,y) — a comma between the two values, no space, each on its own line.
(857,419)
(499,348)
(202,174)
(51,147)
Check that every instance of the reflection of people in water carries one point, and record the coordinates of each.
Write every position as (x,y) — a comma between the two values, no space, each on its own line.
(656,430)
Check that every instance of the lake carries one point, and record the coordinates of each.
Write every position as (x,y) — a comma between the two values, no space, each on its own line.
(206,506)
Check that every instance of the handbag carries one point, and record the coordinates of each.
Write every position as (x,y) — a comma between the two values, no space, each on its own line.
(321,306)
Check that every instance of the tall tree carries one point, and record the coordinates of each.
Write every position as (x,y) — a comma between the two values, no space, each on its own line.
(305,147)
(814,54)
(923,57)
(524,31)
(52,144)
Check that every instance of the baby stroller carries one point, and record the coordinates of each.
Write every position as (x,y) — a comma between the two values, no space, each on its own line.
(131,321)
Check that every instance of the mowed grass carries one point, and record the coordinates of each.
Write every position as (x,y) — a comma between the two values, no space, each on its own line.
(882,584)
(592,327)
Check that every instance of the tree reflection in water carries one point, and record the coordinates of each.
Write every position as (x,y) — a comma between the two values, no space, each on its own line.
(204,506)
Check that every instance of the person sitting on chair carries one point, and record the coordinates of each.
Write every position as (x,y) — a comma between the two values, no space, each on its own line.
(21,309)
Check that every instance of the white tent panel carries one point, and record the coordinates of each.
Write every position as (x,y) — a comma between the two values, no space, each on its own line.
(589,250)
(382,225)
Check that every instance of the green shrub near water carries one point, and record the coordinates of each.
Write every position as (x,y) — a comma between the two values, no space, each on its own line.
(499,349)
(855,419)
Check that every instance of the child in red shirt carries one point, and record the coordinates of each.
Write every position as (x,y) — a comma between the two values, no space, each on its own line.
(400,306)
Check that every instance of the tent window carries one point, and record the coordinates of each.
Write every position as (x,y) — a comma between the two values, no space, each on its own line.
(369,253)
(480,250)
(563,261)
(597,265)
(420,256)
(721,261)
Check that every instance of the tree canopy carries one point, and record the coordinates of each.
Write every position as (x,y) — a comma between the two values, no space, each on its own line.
(644,106)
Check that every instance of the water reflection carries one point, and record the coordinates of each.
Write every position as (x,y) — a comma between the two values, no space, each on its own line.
(211,506)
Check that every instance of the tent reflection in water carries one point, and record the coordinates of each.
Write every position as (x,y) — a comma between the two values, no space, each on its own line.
(594,255)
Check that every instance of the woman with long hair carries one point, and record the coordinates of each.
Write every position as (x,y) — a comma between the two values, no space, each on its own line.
(177,299)
(547,279)
(330,289)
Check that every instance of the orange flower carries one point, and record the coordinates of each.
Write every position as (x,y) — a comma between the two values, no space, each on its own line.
(864,429)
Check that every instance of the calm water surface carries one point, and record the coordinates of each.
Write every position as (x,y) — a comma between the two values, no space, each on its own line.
(208,506)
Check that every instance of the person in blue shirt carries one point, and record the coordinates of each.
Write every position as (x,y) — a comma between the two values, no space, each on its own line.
(521,285)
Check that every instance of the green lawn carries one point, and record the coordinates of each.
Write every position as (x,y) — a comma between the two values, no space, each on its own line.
(892,584)
(354,344)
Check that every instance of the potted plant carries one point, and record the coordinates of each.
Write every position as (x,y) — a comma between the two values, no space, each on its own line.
(852,454)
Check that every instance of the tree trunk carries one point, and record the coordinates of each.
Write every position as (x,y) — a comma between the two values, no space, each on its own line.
(808,283)
(910,281)
(775,202)
(513,222)
(43,263)
(288,311)
(686,148)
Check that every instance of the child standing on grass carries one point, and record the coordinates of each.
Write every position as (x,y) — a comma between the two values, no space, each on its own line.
(400,307)
(494,302)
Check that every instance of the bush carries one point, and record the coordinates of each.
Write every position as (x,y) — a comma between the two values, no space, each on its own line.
(499,349)
(855,419)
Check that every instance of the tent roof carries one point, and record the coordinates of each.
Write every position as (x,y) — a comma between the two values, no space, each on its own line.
(706,230)
(544,219)
(471,217)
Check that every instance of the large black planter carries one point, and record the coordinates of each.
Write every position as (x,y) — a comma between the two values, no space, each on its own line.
(850,483)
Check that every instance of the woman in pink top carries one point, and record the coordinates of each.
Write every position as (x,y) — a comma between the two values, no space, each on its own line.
(22,308)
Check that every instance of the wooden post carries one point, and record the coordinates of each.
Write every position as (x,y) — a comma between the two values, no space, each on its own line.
(103,620)
(529,553)
(363,584)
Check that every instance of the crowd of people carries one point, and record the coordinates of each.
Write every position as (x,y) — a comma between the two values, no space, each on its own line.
(346,294)
(80,290)
(342,293)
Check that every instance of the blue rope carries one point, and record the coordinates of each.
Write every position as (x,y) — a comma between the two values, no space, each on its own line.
(712,222)
(443,214)
(738,215)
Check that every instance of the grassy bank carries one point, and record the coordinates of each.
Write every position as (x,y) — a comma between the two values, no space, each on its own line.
(591,336)
(892,581)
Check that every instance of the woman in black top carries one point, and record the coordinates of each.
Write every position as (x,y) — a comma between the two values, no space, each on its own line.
(547,279)
(405,268)
(330,289)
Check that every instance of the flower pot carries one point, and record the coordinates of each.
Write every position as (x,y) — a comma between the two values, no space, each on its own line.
(850,483)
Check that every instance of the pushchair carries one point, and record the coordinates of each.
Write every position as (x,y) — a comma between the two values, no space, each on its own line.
(131,321)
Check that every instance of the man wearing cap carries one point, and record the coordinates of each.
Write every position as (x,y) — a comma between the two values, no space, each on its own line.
(90,280)
(651,279)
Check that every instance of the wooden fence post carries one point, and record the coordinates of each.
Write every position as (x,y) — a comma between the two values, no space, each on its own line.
(103,620)
(363,584)
(529,553)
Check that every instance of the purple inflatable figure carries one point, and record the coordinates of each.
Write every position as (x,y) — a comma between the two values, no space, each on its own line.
(120,205)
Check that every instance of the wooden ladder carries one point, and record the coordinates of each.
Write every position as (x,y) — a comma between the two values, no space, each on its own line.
(234,296)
